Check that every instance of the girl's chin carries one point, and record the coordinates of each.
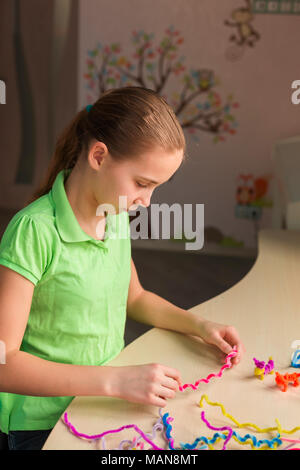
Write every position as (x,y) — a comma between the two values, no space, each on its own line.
(134,207)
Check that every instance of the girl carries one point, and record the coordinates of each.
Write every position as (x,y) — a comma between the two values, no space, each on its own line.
(67,277)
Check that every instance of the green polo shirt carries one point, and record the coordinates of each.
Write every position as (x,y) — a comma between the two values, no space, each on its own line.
(78,309)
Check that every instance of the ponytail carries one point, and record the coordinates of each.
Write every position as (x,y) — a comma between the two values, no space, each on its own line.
(68,147)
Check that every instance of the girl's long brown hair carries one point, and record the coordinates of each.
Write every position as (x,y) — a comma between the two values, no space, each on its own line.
(127,120)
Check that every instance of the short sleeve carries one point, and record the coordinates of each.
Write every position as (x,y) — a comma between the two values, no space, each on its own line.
(25,247)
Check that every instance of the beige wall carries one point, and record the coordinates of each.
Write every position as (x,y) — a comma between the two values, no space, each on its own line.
(260,81)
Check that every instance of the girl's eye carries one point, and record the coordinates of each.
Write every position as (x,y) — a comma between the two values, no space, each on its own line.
(141,185)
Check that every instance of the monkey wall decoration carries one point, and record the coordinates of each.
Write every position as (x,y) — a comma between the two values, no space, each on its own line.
(245,33)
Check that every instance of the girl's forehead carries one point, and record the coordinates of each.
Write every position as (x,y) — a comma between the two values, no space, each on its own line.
(153,171)
(152,166)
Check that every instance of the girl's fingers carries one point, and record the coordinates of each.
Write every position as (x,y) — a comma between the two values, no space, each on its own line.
(240,351)
(171,383)
(165,392)
(173,374)
(159,401)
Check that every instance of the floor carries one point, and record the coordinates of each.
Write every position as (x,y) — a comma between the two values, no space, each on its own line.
(182,278)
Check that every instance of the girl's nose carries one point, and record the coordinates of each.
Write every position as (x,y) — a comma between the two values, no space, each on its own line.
(137,204)
(144,201)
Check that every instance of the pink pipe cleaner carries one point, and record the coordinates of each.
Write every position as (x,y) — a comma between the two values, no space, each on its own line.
(259,364)
(290,440)
(99,436)
(224,428)
(158,426)
(293,441)
(262,365)
(227,365)
(269,367)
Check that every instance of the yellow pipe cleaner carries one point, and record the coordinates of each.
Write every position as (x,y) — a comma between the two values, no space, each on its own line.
(244,425)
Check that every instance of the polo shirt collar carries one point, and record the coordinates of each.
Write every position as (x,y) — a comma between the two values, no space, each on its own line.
(67,224)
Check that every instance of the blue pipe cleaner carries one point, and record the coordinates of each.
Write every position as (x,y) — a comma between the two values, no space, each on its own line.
(255,442)
(168,436)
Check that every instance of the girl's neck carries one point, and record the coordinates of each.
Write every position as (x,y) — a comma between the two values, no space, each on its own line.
(83,207)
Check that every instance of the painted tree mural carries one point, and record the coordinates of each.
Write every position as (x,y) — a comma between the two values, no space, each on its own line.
(198,105)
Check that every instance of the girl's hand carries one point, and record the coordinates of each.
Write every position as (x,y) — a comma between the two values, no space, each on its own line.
(150,384)
(222,336)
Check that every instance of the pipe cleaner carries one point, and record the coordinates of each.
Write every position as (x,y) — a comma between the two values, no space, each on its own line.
(217,436)
(262,368)
(243,425)
(99,436)
(270,444)
(292,441)
(283,380)
(158,426)
(227,365)
(288,447)
(224,428)
(166,421)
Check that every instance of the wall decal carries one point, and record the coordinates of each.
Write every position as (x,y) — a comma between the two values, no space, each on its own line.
(251,198)
(2,92)
(285,7)
(198,105)
(243,34)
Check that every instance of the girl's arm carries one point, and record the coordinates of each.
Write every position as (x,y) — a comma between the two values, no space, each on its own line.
(26,374)
(153,310)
